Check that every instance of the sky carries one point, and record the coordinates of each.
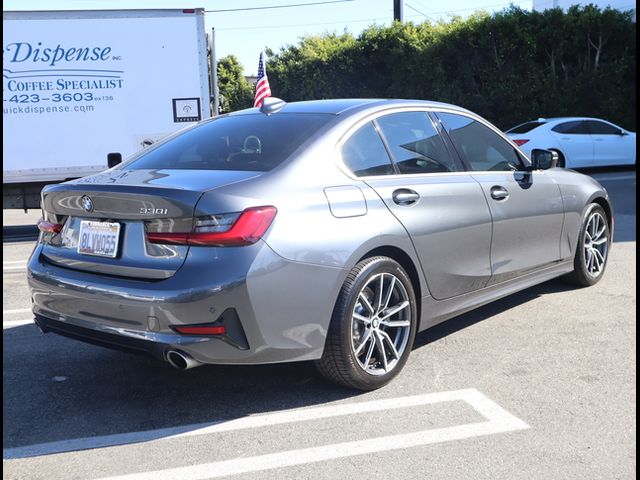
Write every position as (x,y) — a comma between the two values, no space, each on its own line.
(244,33)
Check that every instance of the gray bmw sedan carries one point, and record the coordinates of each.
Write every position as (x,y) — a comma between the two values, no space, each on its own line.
(326,230)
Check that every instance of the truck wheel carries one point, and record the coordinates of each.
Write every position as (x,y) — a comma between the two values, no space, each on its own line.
(373,326)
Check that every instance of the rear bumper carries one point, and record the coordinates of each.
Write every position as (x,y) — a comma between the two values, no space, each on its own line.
(117,341)
(283,308)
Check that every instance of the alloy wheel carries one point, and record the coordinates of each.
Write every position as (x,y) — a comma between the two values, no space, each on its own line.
(380,324)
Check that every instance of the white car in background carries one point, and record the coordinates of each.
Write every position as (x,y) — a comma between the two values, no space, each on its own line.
(580,142)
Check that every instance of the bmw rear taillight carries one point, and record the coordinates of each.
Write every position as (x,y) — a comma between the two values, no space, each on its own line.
(222,230)
(521,141)
(48,227)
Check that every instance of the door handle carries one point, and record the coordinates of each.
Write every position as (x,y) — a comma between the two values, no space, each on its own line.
(405,196)
(499,193)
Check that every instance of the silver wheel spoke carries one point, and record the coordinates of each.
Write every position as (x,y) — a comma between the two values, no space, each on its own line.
(366,303)
(366,338)
(396,323)
(367,357)
(361,318)
(599,258)
(600,241)
(385,336)
(389,293)
(380,291)
(380,348)
(589,259)
(393,310)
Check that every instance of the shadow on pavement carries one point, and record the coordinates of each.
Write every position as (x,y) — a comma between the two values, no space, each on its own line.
(483,313)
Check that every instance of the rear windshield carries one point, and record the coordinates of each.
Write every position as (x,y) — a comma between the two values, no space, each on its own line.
(244,142)
(525,127)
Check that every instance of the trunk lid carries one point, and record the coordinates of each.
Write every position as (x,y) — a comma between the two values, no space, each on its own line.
(105,218)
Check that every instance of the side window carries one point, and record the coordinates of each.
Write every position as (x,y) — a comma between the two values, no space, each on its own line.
(481,147)
(415,144)
(575,128)
(601,128)
(365,155)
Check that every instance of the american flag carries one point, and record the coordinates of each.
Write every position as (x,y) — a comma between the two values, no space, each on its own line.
(262,86)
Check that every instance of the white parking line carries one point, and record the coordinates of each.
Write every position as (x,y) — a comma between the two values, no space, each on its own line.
(6,269)
(498,420)
(17,323)
(16,310)
(13,262)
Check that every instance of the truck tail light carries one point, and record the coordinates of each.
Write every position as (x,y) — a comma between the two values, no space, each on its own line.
(222,230)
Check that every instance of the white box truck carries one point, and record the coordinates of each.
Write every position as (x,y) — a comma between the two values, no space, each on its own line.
(79,85)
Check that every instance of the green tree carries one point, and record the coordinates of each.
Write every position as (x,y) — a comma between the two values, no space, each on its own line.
(235,93)
(510,66)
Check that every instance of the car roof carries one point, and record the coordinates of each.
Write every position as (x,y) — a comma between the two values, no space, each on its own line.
(568,119)
(339,106)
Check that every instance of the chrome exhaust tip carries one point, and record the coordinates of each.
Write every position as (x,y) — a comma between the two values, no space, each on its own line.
(181,360)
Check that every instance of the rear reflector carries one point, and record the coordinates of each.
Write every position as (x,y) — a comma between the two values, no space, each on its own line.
(247,229)
(49,227)
(520,141)
(201,329)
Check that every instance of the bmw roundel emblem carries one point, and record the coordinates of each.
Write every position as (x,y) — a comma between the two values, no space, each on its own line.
(87,203)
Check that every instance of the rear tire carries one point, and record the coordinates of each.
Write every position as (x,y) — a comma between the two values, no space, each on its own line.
(592,250)
(373,326)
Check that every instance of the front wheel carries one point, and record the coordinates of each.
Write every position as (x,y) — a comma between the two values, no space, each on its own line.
(592,250)
(373,326)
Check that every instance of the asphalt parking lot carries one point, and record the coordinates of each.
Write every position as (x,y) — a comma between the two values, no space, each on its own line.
(539,385)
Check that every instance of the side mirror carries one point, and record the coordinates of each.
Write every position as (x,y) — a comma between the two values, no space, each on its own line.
(113,159)
(544,159)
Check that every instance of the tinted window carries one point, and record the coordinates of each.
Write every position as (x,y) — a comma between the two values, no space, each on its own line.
(481,147)
(244,142)
(576,127)
(364,153)
(416,146)
(601,128)
(525,127)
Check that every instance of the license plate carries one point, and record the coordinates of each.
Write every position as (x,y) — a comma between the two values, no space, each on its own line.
(98,238)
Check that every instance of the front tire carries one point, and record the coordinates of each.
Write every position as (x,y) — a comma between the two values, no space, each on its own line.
(593,247)
(373,326)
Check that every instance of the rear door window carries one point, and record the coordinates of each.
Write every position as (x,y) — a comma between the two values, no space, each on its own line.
(364,153)
(415,144)
(576,127)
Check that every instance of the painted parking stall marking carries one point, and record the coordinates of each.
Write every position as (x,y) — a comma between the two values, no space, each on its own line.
(17,323)
(498,420)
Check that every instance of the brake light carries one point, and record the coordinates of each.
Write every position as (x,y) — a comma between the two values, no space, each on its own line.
(48,227)
(521,141)
(226,230)
(200,329)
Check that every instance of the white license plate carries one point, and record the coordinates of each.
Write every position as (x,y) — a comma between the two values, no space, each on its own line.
(99,238)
